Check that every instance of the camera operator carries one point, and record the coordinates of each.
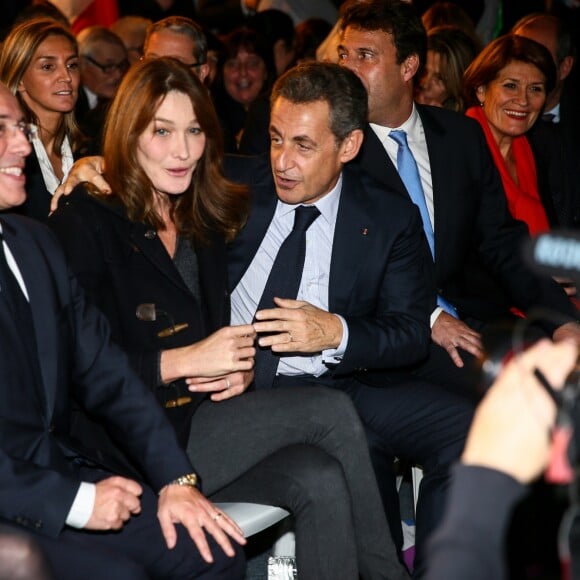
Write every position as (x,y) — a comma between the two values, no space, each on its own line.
(508,446)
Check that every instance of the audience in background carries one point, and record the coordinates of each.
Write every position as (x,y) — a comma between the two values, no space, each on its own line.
(42,9)
(301,10)
(40,65)
(103,63)
(309,35)
(132,30)
(449,52)
(182,39)
(505,89)
(450,14)
(277,29)
(246,73)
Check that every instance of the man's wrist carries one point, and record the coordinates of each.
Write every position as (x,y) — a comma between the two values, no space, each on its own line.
(187,480)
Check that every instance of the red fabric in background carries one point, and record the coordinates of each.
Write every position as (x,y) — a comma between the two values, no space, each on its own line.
(99,12)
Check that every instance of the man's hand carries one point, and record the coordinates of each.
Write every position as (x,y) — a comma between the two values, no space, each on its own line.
(116,499)
(180,504)
(510,430)
(298,327)
(222,388)
(85,169)
(569,331)
(451,334)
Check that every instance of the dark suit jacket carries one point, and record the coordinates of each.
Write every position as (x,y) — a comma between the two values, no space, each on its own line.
(475,236)
(556,148)
(38,198)
(470,542)
(38,480)
(381,278)
(122,264)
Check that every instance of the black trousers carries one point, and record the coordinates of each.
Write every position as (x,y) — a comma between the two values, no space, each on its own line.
(413,421)
(303,449)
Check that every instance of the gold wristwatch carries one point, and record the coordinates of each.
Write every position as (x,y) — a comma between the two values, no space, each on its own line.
(190,479)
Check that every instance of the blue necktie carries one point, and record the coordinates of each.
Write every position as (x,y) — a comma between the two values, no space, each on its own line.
(284,282)
(409,173)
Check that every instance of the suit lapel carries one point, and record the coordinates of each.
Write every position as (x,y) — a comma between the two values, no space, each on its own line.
(43,305)
(352,235)
(242,251)
(435,135)
(375,161)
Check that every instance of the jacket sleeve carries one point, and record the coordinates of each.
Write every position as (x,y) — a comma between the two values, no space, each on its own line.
(470,540)
(393,329)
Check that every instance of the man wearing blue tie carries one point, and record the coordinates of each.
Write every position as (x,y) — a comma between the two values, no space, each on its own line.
(476,245)
(353,286)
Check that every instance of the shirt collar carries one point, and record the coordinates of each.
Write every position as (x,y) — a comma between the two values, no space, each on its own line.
(412,126)
(556,112)
(327,205)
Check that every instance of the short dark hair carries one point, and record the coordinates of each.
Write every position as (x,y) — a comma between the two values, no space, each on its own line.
(498,54)
(395,17)
(324,81)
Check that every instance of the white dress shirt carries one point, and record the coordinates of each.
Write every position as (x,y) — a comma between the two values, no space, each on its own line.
(313,285)
(51,181)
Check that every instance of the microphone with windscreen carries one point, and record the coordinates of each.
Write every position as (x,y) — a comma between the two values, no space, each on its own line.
(556,253)
(149,313)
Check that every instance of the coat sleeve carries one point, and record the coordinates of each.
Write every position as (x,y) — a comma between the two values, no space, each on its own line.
(469,543)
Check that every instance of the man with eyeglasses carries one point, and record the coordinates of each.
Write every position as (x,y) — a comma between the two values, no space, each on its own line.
(103,63)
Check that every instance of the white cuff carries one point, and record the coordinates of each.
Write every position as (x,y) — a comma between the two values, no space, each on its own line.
(435,315)
(334,355)
(83,505)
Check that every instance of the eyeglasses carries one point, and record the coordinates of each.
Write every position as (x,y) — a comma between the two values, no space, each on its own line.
(108,68)
(26,129)
(147,57)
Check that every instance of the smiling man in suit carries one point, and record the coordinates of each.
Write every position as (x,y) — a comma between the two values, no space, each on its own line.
(362,285)
(384,43)
(82,515)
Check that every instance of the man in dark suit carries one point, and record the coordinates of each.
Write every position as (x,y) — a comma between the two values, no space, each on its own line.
(81,514)
(365,289)
(384,44)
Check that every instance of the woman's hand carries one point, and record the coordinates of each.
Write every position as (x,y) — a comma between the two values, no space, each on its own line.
(222,388)
(228,350)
